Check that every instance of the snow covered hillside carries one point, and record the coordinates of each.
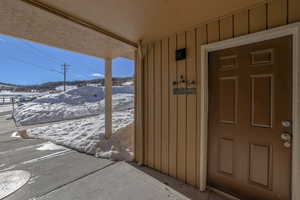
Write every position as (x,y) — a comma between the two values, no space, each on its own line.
(72,104)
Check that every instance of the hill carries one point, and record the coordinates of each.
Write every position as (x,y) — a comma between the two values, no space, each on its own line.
(53,85)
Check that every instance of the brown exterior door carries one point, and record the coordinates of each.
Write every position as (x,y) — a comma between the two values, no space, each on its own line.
(250,95)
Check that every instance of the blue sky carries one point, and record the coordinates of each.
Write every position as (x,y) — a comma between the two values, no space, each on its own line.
(25,63)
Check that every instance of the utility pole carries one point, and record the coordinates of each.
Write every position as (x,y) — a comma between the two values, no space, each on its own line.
(65,68)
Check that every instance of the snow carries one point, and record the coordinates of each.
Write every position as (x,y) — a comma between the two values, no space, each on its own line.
(72,104)
(49,146)
(74,97)
(13,94)
(128,83)
(123,89)
(15,135)
(68,87)
(87,134)
(11,181)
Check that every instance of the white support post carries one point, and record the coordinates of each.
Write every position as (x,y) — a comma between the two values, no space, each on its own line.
(108,98)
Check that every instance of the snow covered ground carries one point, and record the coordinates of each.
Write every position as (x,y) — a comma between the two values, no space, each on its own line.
(128,83)
(72,104)
(68,87)
(13,94)
(87,134)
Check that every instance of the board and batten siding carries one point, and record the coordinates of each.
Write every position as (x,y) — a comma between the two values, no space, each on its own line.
(171,123)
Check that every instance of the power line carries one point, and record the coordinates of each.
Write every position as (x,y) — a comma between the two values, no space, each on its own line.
(53,58)
(92,67)
(32,47)
(41,53)
(33,64)
(40,67)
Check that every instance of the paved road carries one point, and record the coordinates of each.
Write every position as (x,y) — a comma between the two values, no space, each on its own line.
(6,126)
(63,174)
(5,109)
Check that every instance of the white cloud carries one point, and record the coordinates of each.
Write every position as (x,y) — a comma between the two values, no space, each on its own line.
(98,75)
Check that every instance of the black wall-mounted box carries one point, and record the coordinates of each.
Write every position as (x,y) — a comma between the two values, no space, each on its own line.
(180,54)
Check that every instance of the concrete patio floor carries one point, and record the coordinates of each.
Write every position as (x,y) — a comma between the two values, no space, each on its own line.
(68,175)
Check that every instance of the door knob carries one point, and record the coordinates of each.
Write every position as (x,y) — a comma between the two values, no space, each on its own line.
(286,136)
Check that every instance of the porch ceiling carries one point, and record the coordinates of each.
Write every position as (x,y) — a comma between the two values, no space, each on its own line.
(148,19)
(25,21)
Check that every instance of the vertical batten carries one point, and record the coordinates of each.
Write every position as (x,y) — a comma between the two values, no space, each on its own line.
(226,28)
(151,106)
(294,10)
(191,111)
(277,13)
(138,130)
(213,32)
(201,40)
(157,104)
(241,26)
(172,108)
(258,19)
(181,120)
(165,106)
(146,104)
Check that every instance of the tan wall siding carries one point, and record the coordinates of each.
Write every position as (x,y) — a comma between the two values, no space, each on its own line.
(150,96)
(165,106)
(171,123)
(157,107)
(172,109)
(191,130)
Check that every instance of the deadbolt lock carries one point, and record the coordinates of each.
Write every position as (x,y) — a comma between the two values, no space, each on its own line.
(286,124)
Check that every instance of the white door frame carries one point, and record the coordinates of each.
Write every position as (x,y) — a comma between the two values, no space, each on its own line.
(291,29)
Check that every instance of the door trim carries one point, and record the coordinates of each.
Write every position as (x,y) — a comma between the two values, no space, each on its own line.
(291,29)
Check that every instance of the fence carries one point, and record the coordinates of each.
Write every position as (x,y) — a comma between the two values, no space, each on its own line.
(6,100)
(7,105)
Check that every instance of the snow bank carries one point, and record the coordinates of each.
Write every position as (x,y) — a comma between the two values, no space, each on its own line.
(37,113)
(68,87)
(49,146)
(88,135)
(128,83)
(119,146)
(72,104)
(74,97)
(123,89)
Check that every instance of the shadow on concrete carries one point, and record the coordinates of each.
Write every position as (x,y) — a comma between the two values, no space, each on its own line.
(185,189)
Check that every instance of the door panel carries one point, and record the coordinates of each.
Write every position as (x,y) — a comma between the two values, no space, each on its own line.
(250,94)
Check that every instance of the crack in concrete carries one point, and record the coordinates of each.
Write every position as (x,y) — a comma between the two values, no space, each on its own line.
(73,181)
